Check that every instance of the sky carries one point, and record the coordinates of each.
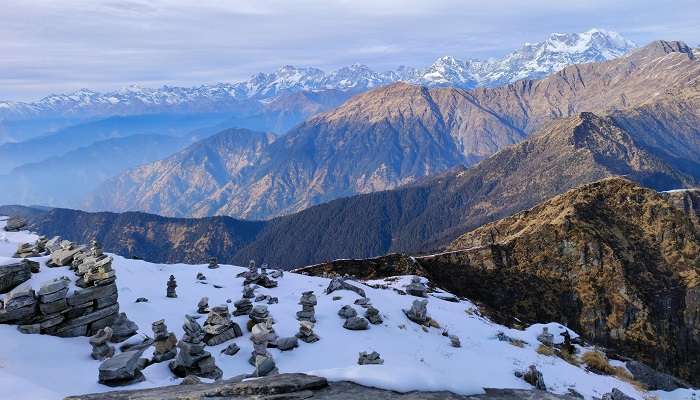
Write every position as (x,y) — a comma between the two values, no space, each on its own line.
(57,46)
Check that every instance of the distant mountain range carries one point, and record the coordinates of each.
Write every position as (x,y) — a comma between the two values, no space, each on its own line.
(531,61)
(397,134)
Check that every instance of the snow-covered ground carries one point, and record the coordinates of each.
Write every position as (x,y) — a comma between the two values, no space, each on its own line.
(45,367)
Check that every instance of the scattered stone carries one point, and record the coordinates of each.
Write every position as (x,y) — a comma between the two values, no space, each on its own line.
(141,300)
(262,297)
(454,341)
(33,265)
(201,277)
(217,286)
(136,342)
(101,349)
(192,359)
(339,283)
(417,288)
(122,369)
(213,264)
(287,343)
(231,349)
(203,305)
(336,298)
(369,358)
(190,380)
(373,316)
(243,307)
(172,284)
(347,312)
(306,332)
(545,337)
(308,307)
(123,328)
(616,394)
(273,300)
(165,342)
(418,312)
(533,377)
(362,302)
(219,328)
(356,324)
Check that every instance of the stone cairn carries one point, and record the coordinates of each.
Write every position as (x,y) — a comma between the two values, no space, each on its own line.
(192,359)
(352,321)
(213,264)
(218,328)
(306,332)
(164,342)
(261,336)
(248,291)
(545,337)
(123,328)
(36,249)
(101,349)
(369,358)
(418,312)
(243,307)
(417,288)
(200,277)
(308,307)
(50,310)
(203,306)
(172,284)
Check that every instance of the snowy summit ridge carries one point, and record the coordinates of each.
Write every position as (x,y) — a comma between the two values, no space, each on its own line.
(531,61)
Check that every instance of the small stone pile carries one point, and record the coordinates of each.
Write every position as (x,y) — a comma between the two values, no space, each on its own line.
(370,358)
(164,342)
(260,314)
(101,349)
(306,332)
(170,290)
(308,307)
(219,328)
(546,337)
(36,249)
(213,264)
(192,359)
(352,321)
(95,268)
(418,312)
(417,288)
(261,334)
(533,377)
(243,307)
(203,305)
(248,291)
(122,369)
(123,328)
(63,256)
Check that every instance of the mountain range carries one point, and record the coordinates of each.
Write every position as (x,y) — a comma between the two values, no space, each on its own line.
(397,134)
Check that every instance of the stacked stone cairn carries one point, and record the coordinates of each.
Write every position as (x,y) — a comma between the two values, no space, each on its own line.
(418,312)
(101,349)
(306,332)
(243,307)
(54,309)
(248,291)
(369,358)
(164,342)
(261,279)
(308,307)
(171,286)
(36,249)
(219,328)
(203,306)
(417,288)
(261,335)
(192,359)
(251,273)
(123,328)
(213,264)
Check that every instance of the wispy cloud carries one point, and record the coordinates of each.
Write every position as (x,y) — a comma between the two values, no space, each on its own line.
(50,46)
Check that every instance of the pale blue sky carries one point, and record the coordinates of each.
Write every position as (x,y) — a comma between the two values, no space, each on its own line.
(61,45)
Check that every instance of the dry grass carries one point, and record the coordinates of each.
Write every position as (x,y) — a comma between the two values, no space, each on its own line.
(568,357)
(597,361)
(546,350)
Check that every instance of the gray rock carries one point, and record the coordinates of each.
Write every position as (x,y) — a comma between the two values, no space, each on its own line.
(141,300)
(356,324)
(171,285)
(14,224)
(616,394)
(417,288)
(341,284)
(347,312)
(545,337)
(369,358)
(190,380)
(454,341)
(53,286)
(123,328)
(78,326)
(19,297)
(100,346)
(287,343)
(373,316)
(418,312)
(231,349)
(122,369)
(654,380)
(533,377)
(203,305)
(12,275)
(83,296)
(306,332)
(243,307)
(31,329)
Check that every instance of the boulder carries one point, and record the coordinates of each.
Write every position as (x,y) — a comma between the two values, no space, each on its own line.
(14,224)
(369,358)
(347,312)
(287,343)
(356,324)
(12,275)
(122,369)
(654,380)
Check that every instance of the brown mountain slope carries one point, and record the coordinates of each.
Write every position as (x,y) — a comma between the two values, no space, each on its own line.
(616,262)
(396,134)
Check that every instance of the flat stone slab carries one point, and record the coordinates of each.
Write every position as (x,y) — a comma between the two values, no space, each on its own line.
(14,274)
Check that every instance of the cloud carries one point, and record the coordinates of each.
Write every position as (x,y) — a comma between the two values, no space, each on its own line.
(50,46)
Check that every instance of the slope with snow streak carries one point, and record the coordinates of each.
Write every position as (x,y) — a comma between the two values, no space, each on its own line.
(44,367)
